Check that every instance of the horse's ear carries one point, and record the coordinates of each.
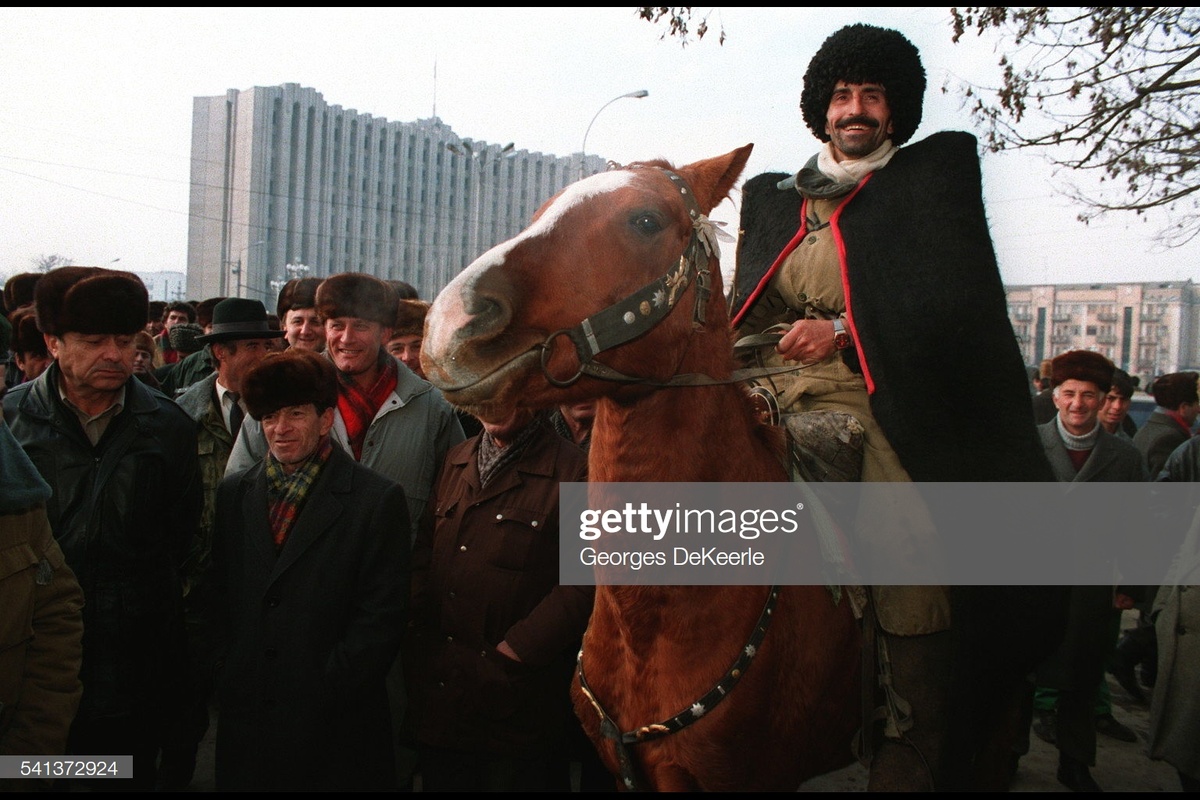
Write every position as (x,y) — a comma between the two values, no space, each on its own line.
(713,178)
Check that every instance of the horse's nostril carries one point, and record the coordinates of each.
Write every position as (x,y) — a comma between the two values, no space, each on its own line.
(487,313)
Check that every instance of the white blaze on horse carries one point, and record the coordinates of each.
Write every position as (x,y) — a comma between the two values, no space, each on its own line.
(614,292)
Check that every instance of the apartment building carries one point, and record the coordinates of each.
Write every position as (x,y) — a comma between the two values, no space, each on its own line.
(1147,329)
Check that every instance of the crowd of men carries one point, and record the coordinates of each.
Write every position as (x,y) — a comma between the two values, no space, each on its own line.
(233,527)
(276,515)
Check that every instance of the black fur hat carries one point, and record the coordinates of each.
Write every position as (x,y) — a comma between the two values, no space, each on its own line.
(26,336)
(866,54)
(1082,365)
(18,290)
(90,300)
(292,377)
(297,293)
(354,294)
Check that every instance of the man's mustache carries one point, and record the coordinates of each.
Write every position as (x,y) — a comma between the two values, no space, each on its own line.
(861,120)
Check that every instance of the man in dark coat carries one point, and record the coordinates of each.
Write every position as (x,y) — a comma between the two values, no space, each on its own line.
(311,571)
(239,339)
(1080,450)
(1178,404)
(876,262)
(121,460)
(495,635)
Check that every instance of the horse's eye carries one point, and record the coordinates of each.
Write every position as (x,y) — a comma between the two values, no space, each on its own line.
(647,223)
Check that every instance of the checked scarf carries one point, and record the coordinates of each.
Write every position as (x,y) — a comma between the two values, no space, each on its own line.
(358,406)
(286,493)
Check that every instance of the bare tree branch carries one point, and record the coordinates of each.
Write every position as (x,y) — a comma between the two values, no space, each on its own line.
(1105,90)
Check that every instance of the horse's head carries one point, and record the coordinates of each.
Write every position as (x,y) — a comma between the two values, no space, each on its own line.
(611,266)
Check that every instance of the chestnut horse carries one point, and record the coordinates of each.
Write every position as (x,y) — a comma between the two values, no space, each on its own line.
(629,252)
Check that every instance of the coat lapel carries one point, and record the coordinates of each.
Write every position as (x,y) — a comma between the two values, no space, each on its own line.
(1098,462)
(321,510)
(254,514)
(1056,452)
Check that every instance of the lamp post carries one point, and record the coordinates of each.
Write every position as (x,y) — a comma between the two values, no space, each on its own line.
(478,160)
(583,151)
(235,267)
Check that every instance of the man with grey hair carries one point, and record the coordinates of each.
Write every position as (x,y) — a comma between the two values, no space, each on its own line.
(121,460)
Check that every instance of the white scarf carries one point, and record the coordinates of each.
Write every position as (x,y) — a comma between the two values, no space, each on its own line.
(854,170)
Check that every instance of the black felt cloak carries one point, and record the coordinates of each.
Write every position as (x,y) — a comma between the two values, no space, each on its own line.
(926,306)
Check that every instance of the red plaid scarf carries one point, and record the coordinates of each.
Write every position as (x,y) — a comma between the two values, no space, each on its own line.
(358,406)
(286,493)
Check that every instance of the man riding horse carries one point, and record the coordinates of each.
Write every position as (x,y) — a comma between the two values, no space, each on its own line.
(876,262)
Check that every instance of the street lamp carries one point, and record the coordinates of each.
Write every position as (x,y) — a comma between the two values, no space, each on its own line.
(583,159)
(235,267)
(478,159)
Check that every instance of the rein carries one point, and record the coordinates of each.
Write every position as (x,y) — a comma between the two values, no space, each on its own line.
(641,311)
(646,733)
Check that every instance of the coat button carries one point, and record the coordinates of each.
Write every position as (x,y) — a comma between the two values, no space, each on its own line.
(499,516)
(1180,630)
(453,595)
(533,524)
(272,601)
(462,548)
(449,638)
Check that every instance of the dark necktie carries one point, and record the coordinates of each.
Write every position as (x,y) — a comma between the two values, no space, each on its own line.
(236,415)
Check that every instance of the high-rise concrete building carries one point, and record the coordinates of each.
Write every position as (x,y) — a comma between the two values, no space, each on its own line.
(1146,329)
(280,178)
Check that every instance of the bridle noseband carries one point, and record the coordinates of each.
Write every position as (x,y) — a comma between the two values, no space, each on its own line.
(629,318)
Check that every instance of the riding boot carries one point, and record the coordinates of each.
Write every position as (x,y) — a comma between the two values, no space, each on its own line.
(915,674)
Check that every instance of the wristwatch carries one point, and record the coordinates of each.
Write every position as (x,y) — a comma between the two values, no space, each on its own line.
(841,339)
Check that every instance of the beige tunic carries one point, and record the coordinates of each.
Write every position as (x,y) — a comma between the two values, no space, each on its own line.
(890,524)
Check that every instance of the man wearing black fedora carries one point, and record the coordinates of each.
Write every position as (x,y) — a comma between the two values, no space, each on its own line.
(120,458)
(240,337)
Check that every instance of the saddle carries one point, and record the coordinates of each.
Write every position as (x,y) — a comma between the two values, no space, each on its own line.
(825,445)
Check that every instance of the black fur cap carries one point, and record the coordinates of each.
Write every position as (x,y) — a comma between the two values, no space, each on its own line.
(866,54)
(18,290)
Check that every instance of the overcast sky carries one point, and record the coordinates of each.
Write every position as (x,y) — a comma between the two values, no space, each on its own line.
(96,107)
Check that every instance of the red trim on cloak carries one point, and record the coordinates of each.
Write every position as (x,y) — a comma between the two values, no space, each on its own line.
(841,248)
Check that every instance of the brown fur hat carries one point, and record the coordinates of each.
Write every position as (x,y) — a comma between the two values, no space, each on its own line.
(1174,389)
(354,294)
(1082,365)
(18,290)
(297,293)
(292,377)
(91,300)
(26,336)
(410,318)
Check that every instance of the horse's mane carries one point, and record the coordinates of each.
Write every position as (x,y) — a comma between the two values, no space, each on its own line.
(661,163)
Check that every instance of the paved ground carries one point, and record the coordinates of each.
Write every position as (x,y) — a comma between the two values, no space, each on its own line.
(1120,766)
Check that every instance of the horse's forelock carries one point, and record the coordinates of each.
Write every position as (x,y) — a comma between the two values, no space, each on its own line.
(577,194)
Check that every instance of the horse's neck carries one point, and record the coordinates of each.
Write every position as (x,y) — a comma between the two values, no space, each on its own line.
(684,434)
